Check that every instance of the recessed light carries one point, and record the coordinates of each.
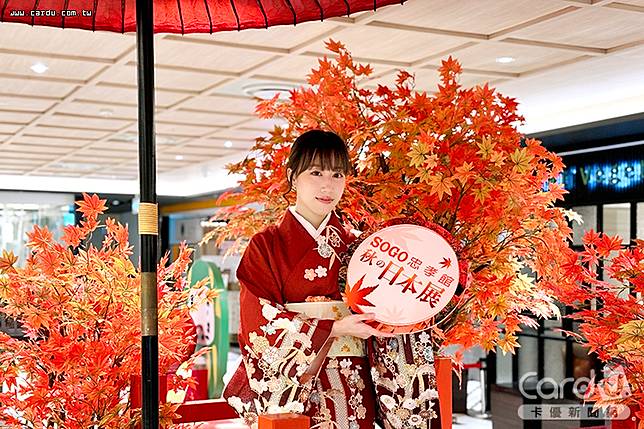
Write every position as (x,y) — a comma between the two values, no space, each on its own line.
(178,157)
(39,68)
(116,202)
(266,91)
(106,113)
(505,60)
(228,143)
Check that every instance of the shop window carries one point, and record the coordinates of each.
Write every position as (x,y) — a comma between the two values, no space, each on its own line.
(617,220)
(589,216)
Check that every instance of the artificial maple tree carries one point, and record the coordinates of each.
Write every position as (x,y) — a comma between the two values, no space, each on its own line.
(79,308)
(609,310)
(454,158)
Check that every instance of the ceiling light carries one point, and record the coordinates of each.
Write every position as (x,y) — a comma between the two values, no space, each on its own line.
(179,157)
(116,202)
(228,143)
(505,60)
(39,68)
(266,91)
(106,113)
(82,166)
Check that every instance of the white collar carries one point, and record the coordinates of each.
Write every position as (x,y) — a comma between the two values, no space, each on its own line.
(307,225)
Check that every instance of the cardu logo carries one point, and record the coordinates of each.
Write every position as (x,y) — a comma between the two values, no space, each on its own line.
(613,387)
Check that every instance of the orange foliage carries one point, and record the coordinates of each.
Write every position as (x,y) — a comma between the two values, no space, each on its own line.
(453,158)
(611,314)
(79,309)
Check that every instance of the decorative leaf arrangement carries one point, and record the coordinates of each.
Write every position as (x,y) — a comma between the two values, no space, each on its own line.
(611,316)
(454,158)
(79,308)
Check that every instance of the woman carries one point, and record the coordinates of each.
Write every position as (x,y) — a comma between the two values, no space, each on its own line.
(293,362)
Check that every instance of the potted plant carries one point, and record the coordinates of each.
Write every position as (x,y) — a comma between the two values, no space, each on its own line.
(454,158)
(78,305)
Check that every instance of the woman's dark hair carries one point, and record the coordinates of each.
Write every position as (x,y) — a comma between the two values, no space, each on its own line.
(323,147)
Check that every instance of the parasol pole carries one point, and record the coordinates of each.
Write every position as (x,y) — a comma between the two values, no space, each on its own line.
(148,216)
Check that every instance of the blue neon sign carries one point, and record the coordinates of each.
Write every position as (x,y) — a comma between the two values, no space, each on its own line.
(616,176)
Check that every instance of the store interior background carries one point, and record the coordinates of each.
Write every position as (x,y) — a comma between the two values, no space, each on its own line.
(68,119)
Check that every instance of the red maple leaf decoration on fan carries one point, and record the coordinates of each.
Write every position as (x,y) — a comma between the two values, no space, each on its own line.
(446,263)
(355,295)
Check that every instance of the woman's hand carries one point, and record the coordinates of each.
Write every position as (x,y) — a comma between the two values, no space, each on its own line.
(354,325)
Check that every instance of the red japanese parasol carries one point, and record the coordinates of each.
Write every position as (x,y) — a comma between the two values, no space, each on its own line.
(177,16)
(165,16)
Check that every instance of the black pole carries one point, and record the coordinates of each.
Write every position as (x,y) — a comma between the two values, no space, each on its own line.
(148,216)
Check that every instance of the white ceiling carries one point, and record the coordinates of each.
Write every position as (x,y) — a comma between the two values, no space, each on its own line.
(73,128)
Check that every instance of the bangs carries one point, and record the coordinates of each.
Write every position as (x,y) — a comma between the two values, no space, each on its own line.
(326,159)
(317,148)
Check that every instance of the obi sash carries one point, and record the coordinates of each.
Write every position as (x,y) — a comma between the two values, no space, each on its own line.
(333,310)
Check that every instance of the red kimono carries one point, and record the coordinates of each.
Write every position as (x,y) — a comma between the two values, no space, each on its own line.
(286,367)
(284,264)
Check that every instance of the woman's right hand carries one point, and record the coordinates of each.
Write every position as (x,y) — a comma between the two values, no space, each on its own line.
(354,325)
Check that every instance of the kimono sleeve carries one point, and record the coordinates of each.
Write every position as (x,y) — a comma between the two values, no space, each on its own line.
(277,346)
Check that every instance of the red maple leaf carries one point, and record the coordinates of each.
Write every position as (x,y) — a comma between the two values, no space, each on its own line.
(446,263)
(39,238)
(91,206)
(72,235)
(354,296)
(6,262)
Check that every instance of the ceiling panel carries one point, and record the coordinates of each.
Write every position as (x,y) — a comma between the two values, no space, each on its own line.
(103,109)
(392,45)
(165,78)
(221,103)
(60,68)
(239,134)
(17,117)
(295,67)
(65,120)
(282,37)
(199,55)
(200,118)
(526,58)
(598,27)
(9,128)
(471,16)
(43,130)
(124,95)
(33,149)
(68,41)
(24,104)
(199,151)
(183,130)
(33,87)
(49,140)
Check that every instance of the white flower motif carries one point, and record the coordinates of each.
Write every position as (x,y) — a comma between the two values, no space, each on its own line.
(294,407)
(258,386)
(388,401)
(236,403)
(309,274)
(269,312)
(345,363)
(424,337)
(283,323)
(409,403)
(320,271)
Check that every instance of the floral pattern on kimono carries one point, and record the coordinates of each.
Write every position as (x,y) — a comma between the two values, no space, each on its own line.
(278,346)
(402,369)
(275,359)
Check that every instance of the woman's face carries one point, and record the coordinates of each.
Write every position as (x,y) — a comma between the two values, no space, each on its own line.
(318,192)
